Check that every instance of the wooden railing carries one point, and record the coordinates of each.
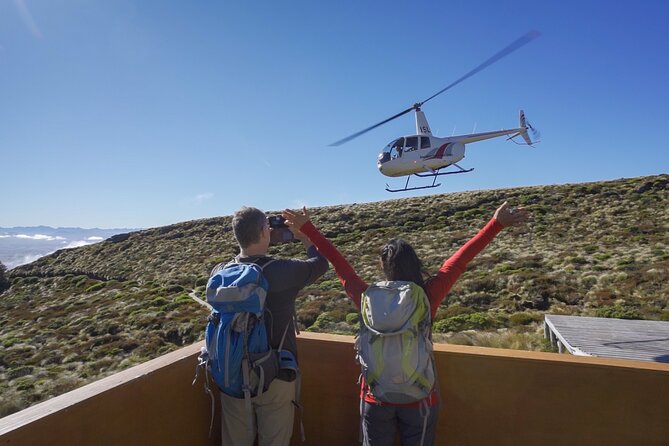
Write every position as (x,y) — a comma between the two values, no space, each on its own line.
(489,396)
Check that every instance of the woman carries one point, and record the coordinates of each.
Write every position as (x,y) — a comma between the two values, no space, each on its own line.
(399,261)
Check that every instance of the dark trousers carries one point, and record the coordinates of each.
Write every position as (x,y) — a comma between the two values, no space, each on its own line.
(380,424)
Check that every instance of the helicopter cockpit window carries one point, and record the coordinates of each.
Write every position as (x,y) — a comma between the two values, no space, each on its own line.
(411,144)
(392,150)
(424,142)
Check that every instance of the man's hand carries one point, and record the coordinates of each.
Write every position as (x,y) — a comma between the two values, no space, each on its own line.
(295,220)
(510,217)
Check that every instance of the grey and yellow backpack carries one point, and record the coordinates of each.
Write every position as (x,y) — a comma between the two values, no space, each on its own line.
(394,344)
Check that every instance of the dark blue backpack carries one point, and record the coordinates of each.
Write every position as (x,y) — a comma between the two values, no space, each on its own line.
(241,361)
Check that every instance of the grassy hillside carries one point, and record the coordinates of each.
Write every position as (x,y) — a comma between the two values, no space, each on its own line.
(597,249)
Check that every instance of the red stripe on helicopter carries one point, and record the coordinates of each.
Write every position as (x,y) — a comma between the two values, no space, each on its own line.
(440,152)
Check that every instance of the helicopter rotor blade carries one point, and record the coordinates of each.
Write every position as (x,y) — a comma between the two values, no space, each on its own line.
(361,132)
(504,52)
(521,41)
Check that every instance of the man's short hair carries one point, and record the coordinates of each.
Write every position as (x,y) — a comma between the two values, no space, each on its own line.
(247,224)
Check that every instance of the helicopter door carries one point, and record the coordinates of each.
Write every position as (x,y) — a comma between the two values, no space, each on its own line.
(411,144)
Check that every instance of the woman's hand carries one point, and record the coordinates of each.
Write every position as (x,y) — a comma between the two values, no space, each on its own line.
(510,217)
(295,220)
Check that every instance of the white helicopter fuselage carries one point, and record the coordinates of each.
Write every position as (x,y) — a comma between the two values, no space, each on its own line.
(440,152)
(424,153)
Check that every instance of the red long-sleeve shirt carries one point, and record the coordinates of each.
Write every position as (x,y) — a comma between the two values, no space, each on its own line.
(436,287)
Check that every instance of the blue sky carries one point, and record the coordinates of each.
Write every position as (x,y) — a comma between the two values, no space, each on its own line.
(150,112)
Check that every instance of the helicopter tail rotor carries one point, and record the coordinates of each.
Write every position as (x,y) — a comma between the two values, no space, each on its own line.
(527,127)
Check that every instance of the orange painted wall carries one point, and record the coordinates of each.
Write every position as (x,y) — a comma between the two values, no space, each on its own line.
(490,396)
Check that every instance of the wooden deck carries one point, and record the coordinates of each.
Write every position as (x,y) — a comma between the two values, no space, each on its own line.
(609,338)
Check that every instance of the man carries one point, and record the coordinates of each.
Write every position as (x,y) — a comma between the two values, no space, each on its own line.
(274,409)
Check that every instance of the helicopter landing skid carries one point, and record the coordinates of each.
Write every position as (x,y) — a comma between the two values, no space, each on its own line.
(434,175)
(436,172)
(412,188)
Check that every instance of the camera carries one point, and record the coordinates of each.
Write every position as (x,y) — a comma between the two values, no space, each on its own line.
(277,221)
(279,232)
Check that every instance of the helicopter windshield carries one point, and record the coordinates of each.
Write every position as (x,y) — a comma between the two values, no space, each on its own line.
(392,150)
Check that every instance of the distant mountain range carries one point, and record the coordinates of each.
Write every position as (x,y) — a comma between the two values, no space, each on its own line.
(24,244)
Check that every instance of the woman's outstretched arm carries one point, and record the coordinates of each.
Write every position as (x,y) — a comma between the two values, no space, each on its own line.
(353,284)
(438,286)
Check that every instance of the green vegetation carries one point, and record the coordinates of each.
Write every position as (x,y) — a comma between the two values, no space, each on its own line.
(4,281)
(618,312)
(599,249)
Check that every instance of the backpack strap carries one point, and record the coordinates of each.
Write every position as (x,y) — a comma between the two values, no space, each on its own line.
(425,413)
(261,261)
(202,363)
(247,398)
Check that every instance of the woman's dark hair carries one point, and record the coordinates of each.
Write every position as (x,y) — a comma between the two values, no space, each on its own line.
(400,262)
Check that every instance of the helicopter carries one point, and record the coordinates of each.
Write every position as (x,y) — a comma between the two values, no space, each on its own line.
(424,155)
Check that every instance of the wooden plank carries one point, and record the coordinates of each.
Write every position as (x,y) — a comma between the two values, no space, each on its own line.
(614,338)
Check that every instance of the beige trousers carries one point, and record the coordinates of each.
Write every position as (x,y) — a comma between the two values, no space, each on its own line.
(273,417)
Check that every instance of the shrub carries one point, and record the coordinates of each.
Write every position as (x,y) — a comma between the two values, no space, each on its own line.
(353,318)
(322,322)
(80,280)
(4,282)
(159,302)
(96,287)
(523,318)
(619,312)
(183,297)
(332,284)
(473,321)
(591,249)
(24,383)
(508,339)
(454,309)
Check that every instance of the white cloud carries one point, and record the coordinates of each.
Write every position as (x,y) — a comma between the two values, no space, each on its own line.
(203,197)
(24,260)
(38,237)
(198,199)
(49,245)
(77,244)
